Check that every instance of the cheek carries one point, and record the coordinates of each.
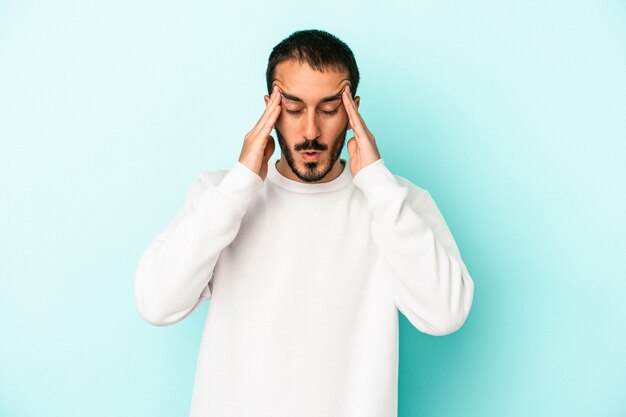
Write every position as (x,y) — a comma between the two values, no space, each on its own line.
(289,129)
(335,124)
(285,124)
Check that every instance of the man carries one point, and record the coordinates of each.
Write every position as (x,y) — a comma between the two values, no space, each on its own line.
(308,260)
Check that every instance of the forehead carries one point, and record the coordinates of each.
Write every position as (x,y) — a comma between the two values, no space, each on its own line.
(301,80)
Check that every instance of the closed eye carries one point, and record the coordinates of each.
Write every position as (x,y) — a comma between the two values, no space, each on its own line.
(329,113)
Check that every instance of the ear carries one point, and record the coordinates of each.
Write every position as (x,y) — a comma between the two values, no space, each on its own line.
(266,98)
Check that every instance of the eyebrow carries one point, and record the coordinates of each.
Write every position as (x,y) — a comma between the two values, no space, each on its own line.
(323,100)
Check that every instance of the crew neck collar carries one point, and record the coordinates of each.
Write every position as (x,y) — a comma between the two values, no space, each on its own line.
(288,184)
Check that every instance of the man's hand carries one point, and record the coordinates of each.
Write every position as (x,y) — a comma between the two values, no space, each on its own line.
(362,147)
(258,145)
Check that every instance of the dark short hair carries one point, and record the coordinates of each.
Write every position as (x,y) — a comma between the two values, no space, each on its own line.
(320,49)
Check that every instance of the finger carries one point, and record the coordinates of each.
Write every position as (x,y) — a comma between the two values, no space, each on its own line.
(352,109)
(356,122)
(356,110)
(274,98)
(269,112)
(269,120)
(346,104)
(268,125)
(270,146)
(360,118)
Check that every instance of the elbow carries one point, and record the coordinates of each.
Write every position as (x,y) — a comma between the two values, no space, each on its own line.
(153,316)
(148,309)
(151,312)
(158,310)
(160,317)
(444,319)
(458,315)
(434,324)
(148,301)
(449,326)
(151,309)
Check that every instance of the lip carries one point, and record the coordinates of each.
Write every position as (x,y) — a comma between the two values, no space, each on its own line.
(310,156)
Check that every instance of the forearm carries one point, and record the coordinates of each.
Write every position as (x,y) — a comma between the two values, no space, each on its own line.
(175,270)
(432,286)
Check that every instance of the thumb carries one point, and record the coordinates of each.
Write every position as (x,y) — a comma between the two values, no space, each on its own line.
(352,146)
(270,146)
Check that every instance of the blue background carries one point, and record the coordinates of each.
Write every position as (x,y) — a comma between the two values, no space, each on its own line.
(512,114)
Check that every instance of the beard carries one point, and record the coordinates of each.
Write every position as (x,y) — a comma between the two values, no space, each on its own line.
(314,171)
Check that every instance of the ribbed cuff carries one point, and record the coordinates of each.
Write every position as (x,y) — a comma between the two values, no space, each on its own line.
(376,181)
(241,183)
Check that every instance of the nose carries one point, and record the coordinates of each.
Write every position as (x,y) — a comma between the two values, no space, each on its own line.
(311,129)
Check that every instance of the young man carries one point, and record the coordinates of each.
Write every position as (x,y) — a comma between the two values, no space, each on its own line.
(307,260)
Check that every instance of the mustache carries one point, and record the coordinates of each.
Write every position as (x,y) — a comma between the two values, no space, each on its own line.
(310,145)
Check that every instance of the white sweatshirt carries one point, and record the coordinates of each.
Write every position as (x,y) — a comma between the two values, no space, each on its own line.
(305,282)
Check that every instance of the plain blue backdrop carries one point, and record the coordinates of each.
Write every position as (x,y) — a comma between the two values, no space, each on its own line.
(512,114)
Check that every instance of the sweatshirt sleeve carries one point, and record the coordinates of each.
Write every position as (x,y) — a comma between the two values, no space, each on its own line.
(432,287)
(173,276)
